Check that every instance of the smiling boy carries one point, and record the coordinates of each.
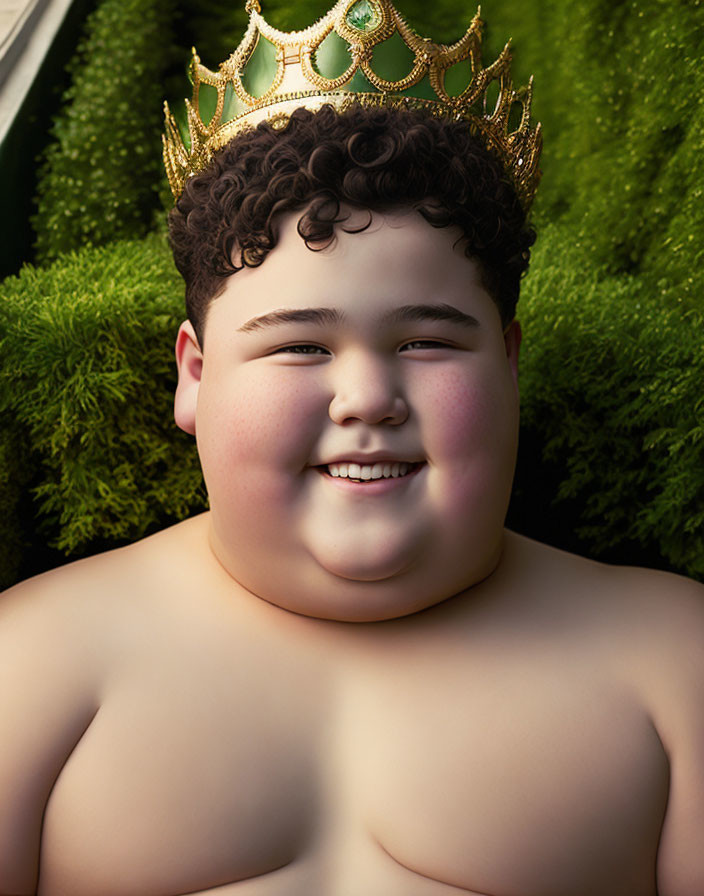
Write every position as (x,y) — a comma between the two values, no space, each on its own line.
(347,678)
(369,430)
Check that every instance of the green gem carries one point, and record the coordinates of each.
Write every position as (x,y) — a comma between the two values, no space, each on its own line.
(363,16)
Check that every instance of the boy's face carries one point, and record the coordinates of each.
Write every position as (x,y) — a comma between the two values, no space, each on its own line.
(370,379)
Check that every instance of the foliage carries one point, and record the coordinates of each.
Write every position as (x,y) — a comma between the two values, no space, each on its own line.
(618,88)
(614,350)
(101,173)
(612,388)
(87,381)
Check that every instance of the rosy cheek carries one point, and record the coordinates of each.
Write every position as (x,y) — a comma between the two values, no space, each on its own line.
(261,423)
(258,422)
(462,412)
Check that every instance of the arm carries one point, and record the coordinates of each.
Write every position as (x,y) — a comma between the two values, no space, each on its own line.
(678,686)
(45,706)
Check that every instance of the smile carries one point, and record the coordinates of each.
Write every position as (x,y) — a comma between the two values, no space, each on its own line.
(367,472)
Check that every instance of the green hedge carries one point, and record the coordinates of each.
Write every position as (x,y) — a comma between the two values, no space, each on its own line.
(619,88)
(611,387)
(86,400)
(614,351)
(101,174)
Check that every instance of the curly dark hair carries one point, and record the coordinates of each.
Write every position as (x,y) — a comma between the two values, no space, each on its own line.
(375,159)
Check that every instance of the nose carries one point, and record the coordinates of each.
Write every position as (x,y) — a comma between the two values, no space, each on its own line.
(366,389)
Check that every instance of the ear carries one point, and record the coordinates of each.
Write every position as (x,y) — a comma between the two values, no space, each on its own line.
(512,341)
(189,360)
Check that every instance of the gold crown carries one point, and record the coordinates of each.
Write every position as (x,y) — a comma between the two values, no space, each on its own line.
(361,52)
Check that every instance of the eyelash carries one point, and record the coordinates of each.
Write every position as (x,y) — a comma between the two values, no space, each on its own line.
(433,343)
(293,349)
(298,349)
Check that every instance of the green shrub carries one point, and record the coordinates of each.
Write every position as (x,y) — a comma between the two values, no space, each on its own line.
(102,172)
(619,88)
(86,395)
(612,394)
(612,372)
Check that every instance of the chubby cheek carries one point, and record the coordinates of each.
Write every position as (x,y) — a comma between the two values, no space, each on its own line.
(252,436)
(469,415)
(470,434)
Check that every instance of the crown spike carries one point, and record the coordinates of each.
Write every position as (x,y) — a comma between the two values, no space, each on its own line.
(525,97)
(300,76)
(193,63)
(472,38)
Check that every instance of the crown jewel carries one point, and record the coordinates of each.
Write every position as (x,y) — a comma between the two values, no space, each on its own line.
(362,52)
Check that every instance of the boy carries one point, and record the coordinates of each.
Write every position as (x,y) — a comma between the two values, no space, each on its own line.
(347,678)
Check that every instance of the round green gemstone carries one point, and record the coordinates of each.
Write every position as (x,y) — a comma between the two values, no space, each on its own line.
(363,16)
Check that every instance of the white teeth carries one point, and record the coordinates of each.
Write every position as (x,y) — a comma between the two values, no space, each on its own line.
(367,471)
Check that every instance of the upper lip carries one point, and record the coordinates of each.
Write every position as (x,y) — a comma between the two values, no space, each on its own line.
(374,457)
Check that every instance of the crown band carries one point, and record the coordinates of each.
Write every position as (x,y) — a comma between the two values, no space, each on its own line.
(362,52)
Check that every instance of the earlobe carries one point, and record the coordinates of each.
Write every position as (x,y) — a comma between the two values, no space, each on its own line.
(189,361)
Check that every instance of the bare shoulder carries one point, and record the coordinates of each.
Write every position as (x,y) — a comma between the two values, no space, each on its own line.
(70,616)
(62,636)
(121,571)
(664,602)
(649,624)
(78,610)
(644,630)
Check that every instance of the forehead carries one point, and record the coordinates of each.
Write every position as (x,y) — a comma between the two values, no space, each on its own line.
(398,259)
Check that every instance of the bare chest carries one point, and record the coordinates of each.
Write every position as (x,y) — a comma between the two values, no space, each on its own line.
(436,776)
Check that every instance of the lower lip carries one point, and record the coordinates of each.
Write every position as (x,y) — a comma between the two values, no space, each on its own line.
(371,486)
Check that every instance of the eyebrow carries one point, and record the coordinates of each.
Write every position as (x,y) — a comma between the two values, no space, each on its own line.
(317,316)
(443,312)
(322,316)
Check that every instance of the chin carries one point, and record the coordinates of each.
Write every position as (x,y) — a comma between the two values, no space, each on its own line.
(355,568)
(363,607)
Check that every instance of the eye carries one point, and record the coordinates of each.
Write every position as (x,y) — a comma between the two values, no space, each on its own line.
(425,343)
(302,349)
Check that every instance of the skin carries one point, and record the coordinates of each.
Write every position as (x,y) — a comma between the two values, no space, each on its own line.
(501,718)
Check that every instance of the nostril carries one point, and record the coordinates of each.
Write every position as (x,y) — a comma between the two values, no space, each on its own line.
(371,407)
